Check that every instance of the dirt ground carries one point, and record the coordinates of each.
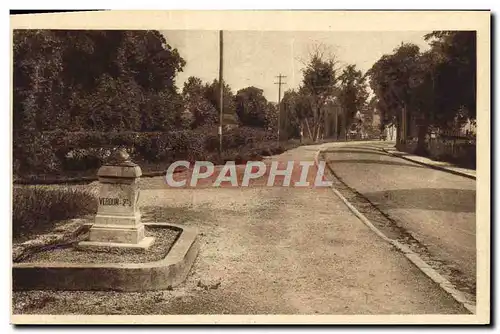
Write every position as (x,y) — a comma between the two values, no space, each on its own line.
(267,250)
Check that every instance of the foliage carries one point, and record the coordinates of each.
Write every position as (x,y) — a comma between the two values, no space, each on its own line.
(391,80)
(253,109)
(34,154)
(455,72)
(35,209)
(437,87)
(318,86)
(212,94)
(353,93)
(86,151)
(94,80)
(202,111)
(292,112)
(201,102)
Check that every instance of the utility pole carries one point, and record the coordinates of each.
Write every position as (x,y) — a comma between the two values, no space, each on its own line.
(279,83)
(221,89)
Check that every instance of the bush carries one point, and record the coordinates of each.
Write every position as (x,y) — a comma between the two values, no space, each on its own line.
(56,152)
(83,159)
(34,154)
(36,209)
(240,157)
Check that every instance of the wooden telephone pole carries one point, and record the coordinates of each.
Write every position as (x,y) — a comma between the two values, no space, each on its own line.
(279,83)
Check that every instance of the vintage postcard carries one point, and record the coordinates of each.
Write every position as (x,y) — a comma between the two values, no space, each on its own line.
(237,167)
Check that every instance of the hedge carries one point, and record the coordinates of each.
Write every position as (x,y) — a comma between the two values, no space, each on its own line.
(59,152)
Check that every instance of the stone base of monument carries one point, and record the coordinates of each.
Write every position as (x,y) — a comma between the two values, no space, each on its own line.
(66,271)
(105,257)
(143,245)
(117,237)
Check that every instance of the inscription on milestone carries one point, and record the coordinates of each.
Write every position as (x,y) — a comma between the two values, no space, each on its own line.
(114,201)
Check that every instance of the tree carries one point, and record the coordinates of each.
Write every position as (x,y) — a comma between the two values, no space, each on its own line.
(114,105)
(423,96)
(455,73)
(437,87)
(271,116)
(368,114)
(353,94)
(293,117)
(195,102)
(193,87)
(89,80)
(318,85)
(252,107)
(38,64)
(391,80)
(94,80)
(212,94)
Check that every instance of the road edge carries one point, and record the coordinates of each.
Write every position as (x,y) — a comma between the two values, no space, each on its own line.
(413,257)
(441,168)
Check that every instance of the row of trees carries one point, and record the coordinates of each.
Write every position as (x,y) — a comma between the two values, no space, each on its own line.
(248,107)
(95,80)
(117,81)
(436,87)
(325,86)
(125,81)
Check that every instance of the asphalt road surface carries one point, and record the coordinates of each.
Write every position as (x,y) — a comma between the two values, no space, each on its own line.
(437,208)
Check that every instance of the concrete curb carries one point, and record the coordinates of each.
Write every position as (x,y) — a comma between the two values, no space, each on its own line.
(441,168)
(446,285)
(158,275)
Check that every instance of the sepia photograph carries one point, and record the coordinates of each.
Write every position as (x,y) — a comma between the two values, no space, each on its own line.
(196,164)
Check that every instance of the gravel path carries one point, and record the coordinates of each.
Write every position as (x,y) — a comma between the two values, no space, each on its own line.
(268,251)
(164,239)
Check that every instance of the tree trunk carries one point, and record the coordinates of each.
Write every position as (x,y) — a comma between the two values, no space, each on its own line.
(422,132)
(318,132)
(301,131)
(398,132)
(309,129)
(314,131)
(316,124)
(347,127)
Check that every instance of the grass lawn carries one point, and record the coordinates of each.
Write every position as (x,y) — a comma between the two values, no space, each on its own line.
(37,208)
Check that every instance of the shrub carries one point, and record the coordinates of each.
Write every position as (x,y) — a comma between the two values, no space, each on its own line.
(57,152)
(34,154)
(152,147)
(240,157)
(37,208)
(83,159)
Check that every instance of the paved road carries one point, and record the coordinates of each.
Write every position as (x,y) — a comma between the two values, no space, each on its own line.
(274,251)
(436,207)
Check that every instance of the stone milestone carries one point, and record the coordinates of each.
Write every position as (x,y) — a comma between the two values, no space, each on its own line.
(118,219)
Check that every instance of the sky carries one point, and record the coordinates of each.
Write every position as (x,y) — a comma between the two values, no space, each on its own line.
(255,58)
